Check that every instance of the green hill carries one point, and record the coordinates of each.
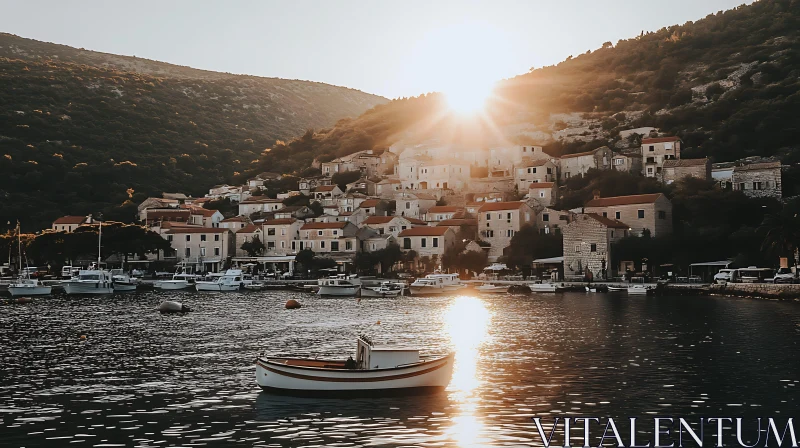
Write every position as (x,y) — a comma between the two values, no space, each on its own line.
(83,131)
(728,84)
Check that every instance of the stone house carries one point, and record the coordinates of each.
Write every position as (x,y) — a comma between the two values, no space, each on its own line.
(722,173)
(542,192)
(307,184)
(642,212)
(441,212)
(758,180)
(656,150)
(245,234)
(327,192)
(443,173)
(627,161)
(530,171)
(156,217)
(259,204)
(467,225)
(676,169)
(427,241)
(413,205)
(387,225)
(499,221)
(580,163)
(294,211)
(373,207)
(386,188)
(207,248)
(155,203)
(235,223)
(549,220)
(327,237)
(587,245)
(204,217)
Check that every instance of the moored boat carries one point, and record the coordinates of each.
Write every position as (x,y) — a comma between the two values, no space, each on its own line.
(617,288)
(122,281)
(340,285)
(375,371)
(90,281)
(544,287)
(638,290)
(25,285)
(231,280)
(178,282)
(434,284)
(489,288)
(386,289)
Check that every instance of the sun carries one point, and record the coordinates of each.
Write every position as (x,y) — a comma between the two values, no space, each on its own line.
(468,98)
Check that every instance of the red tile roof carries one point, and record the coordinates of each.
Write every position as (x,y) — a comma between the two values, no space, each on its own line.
(198,230)
(608,222)
(70,220)
(324,225)
(324,188)
(541,185)
(235,219)
(647,141)
(424,231)
(532,163)
(249,229)
(457,222)
(496,206)
(279,222)
(415,220)
(625,200)
(445,209)
(204,212)
(260,200)
(378,220)
(370,203)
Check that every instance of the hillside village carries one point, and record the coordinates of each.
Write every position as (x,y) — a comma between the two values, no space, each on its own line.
(431,199)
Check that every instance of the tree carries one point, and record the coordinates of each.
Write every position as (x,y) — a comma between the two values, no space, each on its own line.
(345,177)
(305,258)
(781,230)
(254,247)
(529,244)
(316,207)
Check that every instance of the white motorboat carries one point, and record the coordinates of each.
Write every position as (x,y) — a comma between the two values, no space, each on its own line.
(433,284)
(588,289)
(638,290)
(543,287)
(254,286)
(90,281)
(340,285)
(122,281)
(178,282)
(386,289)
(375,371)
(617,288)
(25,285)
(231,280)
(488,288)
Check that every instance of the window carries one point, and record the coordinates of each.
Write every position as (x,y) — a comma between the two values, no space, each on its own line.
(188,252)
(293,245)
(169,238)
(202,237)
(406,243)
(756,185)
(322,244)
(619,161)
(545,217)
(319,232)
(549,171)
(593,247)
(509,233)
(577,248)
(188,237)
(202,251)
(742,186)
(566,175)
(612,234)
(423,242)
(408,205)
(534,171)
(335,246)
(335,232)
(216,237)
(216,251)
(508,215)
(488,216)
(640,214)
(652,148)
(283,231)
(348,245)
(435,242)
(605,214)
(662,214)
(541,194)
(283,244)
(271,231)
(617,215)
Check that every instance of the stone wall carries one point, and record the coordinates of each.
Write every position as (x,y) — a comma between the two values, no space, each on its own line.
(579,236)
(769,179)
(766,290)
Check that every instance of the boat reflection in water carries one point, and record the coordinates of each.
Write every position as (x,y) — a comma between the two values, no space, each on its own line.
(467,322)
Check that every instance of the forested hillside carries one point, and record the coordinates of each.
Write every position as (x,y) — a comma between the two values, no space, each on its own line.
(82,131)
(728,84)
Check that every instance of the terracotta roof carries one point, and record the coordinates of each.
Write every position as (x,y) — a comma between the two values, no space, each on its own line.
(445,209)
(203,211)
(198,230)
(326,188)
(541,185)
(235,219)
(370,203)
(608,222)
(647,141)
(415,220)
(70,220)
(457,222)
(260,200)
(424,231)
(324,225)
(390,181)
(684,162)
(279,222)
(169,224)
(624,200)
(758,166)
(249,229)
(378,220)
(496,206)
(527,162)
(581,154)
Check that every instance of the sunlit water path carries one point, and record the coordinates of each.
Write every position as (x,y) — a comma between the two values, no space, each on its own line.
(143,379)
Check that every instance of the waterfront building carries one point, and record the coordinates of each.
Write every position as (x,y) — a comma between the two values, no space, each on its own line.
(327,238)
(549,220)
(642,212)
(499,221)
(278,235)
(245,234)
(427,241)
(587,245)
(387,225)
(202,247)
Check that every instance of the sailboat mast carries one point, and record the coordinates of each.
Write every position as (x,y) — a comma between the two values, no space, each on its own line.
(99,244)
(19,247)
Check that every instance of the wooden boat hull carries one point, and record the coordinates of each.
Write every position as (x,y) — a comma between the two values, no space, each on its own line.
(427,376)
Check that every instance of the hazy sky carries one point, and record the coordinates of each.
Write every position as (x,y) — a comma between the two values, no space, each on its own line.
(391,48)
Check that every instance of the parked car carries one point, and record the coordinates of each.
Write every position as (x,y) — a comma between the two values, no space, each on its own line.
(724,276)
(784,275)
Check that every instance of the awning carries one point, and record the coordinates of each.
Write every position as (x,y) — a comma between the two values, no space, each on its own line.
(713,263)
(551,260)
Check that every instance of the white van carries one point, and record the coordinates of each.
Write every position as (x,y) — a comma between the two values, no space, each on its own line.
(724,276)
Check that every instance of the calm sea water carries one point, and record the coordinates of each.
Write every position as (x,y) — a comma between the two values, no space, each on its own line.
(145,379)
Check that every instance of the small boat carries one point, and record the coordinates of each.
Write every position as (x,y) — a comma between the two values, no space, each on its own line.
(588,289)
(544,287)
(25,285)
(386,289)
(178,282)
(255,286)
(488,288)
(433,284)
(638,290)
(617,288)
(340,285)
(122,281)
(375,371)
(232,280)
(90,281)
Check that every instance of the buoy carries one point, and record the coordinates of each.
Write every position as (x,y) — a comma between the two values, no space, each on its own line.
(83,337)
(169,306)
(292,304)
(378,323)
(24,300)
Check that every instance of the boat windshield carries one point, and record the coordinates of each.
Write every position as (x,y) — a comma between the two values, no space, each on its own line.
(89,277)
